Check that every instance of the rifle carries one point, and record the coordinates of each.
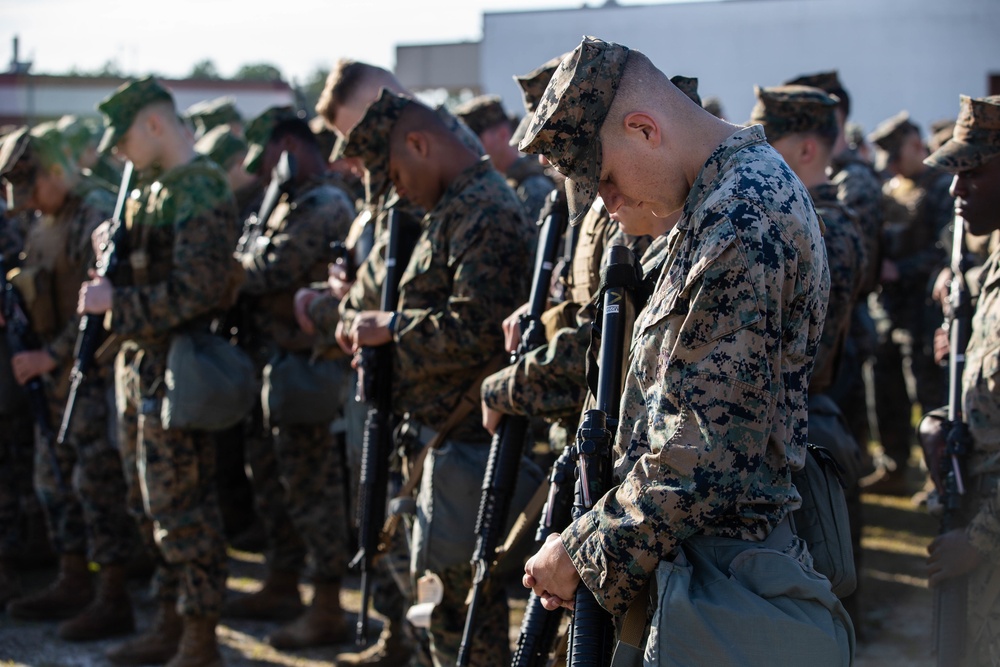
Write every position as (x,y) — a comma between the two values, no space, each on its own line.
(951,596)
(22,338)
(92,326)
(539,626)
(375,389)
(591,635)
(281,179)
(562,289)
(507,446)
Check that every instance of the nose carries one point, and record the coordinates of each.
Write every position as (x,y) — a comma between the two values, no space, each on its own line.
(613,199)
(958,188)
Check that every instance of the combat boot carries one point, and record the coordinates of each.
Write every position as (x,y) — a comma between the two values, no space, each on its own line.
(64,598)
(109,615)
(9,588)
(392,648)
(199,646)
(157,645)
(322,623)
(278,600)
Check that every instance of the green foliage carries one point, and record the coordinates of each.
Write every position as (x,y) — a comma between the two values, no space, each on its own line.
(259,72)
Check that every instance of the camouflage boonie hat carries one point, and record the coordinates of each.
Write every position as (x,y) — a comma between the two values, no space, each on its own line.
(258,133)
(566,126)
(975,139)
(369,140)
(689,86)
(889,134)
(121,107)
(482,113)
(222,146)
(211,113)
(23,152)
(784,110)
(828,82)
(532,88)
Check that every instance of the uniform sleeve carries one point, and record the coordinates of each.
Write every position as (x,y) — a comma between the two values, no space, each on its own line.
(843,251)
(366,292)
(486,259)
(548,382)
(984,529)
(203,233)
(703,423)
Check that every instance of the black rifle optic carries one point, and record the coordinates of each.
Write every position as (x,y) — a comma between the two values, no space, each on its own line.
(507,447)
(375,389)
(591,634)
(92,332)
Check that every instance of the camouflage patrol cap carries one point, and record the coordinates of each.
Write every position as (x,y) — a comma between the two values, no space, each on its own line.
(211,113)
(687,85)
(482,113)
(532,88)
(258,133)
(566,126)
(222,146)
(121,107)
(369,140)
(828,82)
(25,151)
(785,110)
(77,134)
(975,139)
(889,134)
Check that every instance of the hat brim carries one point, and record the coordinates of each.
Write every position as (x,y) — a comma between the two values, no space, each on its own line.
(110,139)
(582,188)
(957,156)
(255,155)
(520,130)
(12,148)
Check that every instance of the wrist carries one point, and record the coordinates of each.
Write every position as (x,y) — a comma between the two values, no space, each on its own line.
(391,326)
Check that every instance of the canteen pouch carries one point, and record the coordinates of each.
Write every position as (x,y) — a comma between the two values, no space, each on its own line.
(300,390)
(210,383)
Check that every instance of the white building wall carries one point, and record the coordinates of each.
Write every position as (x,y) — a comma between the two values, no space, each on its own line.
(917,55)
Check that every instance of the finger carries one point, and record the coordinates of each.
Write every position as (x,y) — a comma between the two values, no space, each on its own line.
(550,602)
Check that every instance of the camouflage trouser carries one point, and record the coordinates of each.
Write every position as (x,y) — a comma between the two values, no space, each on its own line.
(88,515)
(490,642)
(15,475)
(904,374)
(171,478)
(299,490)
(984,616)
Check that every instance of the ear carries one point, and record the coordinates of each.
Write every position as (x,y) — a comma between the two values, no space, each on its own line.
(808,150)
(416,141)
(639,122)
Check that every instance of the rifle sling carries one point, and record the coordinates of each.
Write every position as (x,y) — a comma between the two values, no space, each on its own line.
(470,399)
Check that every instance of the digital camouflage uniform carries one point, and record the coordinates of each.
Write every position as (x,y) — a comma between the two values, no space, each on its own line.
(713,415)
(916,213)
(468,271)
(89,510)
(976,140)
(297,473)
(178,274)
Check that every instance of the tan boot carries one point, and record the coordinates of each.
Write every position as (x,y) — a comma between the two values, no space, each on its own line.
(154,647)
(199,646)
(109,615)
(322,623)
(65,597)
(392,648)
(278,600)
(9,588)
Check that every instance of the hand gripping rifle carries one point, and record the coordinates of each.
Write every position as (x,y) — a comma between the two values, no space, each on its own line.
(508,443)
(21,338)
(539,626)
(375,389)
(92,326)
(951,596)
(591,638)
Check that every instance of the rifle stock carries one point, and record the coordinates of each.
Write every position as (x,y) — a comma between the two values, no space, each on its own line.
(591,638)
(951,596)
(92,326)
(375,389)
(507,446)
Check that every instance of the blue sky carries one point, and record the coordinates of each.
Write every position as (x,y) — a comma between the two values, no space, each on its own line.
(297,36)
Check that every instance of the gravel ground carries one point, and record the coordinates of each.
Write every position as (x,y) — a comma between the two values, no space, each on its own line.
(896,628)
